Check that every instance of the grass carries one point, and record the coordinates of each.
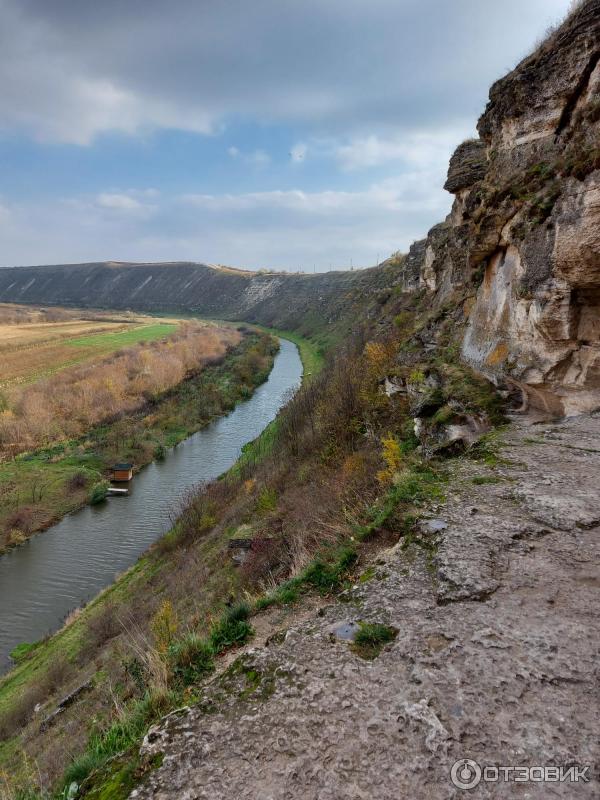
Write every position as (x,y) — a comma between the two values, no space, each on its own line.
(53,347)
(371,638)
(312,362)
(192,654)
(111,340)
(191,659)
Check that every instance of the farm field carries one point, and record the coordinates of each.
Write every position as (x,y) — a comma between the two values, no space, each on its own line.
(32,347)
(80,394)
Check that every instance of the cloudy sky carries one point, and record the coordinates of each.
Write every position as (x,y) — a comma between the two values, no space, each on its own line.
(292,134)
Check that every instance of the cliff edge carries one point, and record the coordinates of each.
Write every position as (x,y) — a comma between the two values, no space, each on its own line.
(525,225)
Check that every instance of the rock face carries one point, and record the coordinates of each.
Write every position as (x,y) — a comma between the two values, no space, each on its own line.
(467,166)
(495,659)
(525,225)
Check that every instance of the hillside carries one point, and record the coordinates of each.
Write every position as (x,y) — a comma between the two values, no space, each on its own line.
(281,300)
(421,575)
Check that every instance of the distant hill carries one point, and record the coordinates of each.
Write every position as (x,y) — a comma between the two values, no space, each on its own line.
(283,300)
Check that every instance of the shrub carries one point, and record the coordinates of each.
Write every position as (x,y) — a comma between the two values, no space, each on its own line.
(164,625)
(265,557)
(21,520)
(267,501)
(191,658)
(392,456)
(232,629)
(78,480)
(17,716)
(99,492)
(101,627)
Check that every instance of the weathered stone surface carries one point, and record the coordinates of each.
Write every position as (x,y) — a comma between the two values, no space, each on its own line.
(495,659)
(531,224)
(467,165)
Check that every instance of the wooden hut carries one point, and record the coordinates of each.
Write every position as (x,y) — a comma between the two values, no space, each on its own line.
(122,472)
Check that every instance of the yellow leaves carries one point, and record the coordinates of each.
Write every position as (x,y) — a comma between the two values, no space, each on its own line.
(378,359)
(164,626)
(249,485)
(378,356)
(392,457)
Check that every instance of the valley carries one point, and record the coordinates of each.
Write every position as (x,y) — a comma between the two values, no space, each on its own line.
(395,572)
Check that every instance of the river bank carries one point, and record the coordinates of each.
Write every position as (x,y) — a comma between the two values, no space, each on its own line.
(80,638)
(90,645)
(39,488)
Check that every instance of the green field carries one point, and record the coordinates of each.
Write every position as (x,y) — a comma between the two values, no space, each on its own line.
(114,341)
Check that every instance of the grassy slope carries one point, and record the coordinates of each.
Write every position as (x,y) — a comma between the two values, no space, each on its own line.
(312,362)
(310,353)
(283,491)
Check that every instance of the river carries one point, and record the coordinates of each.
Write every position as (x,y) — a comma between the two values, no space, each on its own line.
(64,567)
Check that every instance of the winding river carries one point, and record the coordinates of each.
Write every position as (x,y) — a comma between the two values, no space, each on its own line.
(59,570)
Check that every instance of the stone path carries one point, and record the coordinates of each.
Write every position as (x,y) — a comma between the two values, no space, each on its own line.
(496,657)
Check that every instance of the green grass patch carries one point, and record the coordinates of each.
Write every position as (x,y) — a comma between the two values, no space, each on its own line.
(23,651)
(371,638)
(118,339)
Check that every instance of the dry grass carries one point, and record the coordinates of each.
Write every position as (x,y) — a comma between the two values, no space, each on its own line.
(37,342)
(67,403)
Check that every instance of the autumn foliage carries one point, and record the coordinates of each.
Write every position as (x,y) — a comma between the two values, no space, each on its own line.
(68,403)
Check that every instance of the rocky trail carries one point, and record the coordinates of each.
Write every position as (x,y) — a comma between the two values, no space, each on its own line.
(495,658)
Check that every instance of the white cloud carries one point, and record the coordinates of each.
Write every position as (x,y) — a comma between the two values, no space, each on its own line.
(233,152)
(134,203)
(120,202)
(418,149)
(285,229)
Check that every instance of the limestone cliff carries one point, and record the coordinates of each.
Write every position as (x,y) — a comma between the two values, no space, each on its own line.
(525,225)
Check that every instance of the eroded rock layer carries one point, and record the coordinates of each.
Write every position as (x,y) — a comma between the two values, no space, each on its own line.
(525,225)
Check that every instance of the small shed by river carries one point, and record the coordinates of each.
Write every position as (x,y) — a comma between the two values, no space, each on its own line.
(122,472)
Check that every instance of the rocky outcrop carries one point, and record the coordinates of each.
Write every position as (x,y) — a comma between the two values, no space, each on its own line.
(467,166)
(525,225)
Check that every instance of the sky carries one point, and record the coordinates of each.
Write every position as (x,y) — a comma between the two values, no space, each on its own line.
(276,134)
